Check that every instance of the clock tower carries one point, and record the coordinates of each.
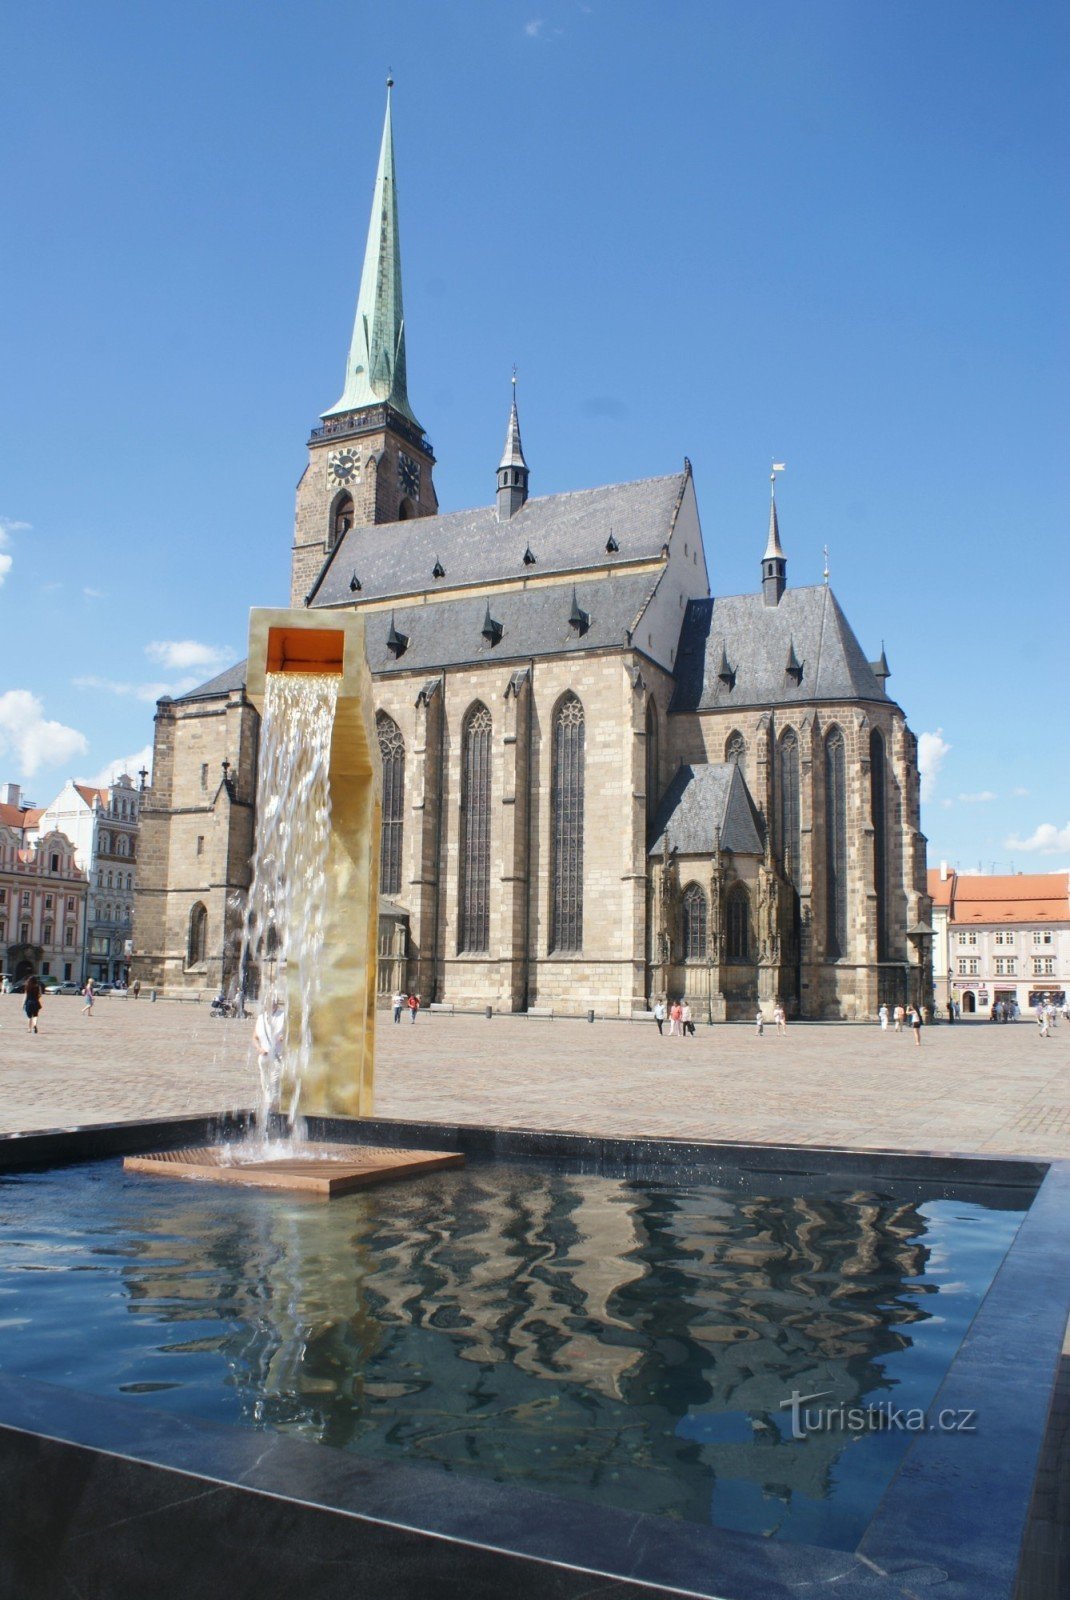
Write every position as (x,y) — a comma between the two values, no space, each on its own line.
(368,461)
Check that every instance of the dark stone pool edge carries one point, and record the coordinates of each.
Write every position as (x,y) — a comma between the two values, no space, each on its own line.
(122,1500)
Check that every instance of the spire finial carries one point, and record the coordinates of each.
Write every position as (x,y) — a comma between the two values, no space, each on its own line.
(778,466)
(825,574)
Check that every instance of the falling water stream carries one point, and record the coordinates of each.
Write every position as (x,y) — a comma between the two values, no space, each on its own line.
(284,919)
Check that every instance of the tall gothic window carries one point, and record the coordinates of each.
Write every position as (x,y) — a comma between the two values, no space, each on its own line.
(392,750)
(475,830)
(836,844)
(788,802)
(737,923)
(197,944)
(566,825)
(695,910)
(735,748)
(341,520)
(652,764)
(878,792)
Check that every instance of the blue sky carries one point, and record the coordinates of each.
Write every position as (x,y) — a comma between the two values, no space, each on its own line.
(834,233)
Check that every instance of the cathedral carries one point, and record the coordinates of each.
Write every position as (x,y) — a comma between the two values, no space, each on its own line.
(601,784)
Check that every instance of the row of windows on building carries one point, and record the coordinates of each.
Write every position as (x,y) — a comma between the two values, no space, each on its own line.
(118,883)
(26,899)
(47,932)
(109,913)
(1006,966)
(1008,937)
(117,844)
(474,886)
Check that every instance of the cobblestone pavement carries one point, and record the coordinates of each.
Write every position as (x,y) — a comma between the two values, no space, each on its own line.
(971,1088)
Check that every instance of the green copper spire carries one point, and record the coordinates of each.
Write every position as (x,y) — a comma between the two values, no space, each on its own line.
(375,371)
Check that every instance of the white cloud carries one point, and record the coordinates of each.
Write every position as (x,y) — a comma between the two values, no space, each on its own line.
(131,765)
(148,692)
(1019,793)
(947,804)
(978,799)
(932,748)
(7,528)
(5,566)
(94,594)
(178,655)
(35,742)
(1048,839)
(533,28)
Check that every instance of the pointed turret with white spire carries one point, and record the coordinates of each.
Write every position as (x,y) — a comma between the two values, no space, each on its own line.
(774,562)
(512,468)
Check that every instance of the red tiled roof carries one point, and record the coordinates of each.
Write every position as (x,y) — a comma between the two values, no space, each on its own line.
(89,794)
(940,892)
(15,817)
(1002,898)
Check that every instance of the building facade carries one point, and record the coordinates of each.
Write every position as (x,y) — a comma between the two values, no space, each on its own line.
(103,826)
(1000,939)
(43,894)
(601,784)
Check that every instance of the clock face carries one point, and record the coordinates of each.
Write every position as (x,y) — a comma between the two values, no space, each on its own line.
(343,466)
(408,473)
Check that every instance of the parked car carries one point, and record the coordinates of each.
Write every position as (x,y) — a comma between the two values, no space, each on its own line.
(68,987)
(103,988)
(50,985)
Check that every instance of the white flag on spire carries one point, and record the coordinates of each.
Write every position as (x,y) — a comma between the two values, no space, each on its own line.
(780,466)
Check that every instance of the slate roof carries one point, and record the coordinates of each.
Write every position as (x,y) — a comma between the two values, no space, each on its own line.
(697,801)
(563,531)
(225,683)
(755,639)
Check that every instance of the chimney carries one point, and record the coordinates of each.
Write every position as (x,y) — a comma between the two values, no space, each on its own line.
(12,793)
(943,872)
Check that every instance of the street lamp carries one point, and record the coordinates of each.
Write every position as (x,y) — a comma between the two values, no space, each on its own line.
(918,935)
(709,990)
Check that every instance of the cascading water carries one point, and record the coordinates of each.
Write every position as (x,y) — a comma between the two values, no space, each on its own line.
(284,919)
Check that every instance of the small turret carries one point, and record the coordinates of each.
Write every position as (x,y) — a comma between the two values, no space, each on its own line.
(774,562)
(512,468)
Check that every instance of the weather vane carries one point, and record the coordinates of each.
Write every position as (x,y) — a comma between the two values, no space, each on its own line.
(778,466)
(826,572)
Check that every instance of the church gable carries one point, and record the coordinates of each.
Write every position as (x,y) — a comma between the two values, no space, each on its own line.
(706,809)
(736,651)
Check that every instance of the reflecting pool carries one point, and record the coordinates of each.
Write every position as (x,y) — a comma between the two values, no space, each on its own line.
(633,1342)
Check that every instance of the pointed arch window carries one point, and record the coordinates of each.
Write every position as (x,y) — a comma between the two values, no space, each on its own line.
(197,943)
(788,802)
(878,794)
(652,759)
(566,825)
(392,750)
(737,923)
(342,519)
(835,844)
(474,894)
(735,748)
(695,909)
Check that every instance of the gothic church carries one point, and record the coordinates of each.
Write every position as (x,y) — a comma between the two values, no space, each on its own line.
(600,785)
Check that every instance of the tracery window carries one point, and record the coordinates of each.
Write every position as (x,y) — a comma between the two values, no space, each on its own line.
(474,897)
(788,802)
(737,923)
(695,915)
(735,748)
(566,839)
(878,794)
(197,945)
(341,520)
(392,750)
(836,844)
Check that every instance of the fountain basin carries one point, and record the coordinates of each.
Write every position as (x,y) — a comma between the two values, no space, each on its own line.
(327,1171)
(107,1491)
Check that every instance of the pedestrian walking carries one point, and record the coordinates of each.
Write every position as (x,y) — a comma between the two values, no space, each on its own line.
(780,1018)
(414,1006)
(32,1004)
(685,1018)
(136,988)
(759,1023)
(883,1016)
(899,1016)
(398,1003)
(951,1011)
(676,1012)
(89,994)
(659,1016)
(915,1023)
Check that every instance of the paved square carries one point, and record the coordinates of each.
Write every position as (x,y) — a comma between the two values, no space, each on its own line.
(972,1088)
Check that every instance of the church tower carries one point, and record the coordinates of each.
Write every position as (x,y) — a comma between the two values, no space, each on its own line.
(369,460)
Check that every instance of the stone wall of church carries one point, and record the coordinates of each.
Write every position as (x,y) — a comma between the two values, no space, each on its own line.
(850,984)
(196,844)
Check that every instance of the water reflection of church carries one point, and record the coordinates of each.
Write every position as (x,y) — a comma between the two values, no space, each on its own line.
(570,1333)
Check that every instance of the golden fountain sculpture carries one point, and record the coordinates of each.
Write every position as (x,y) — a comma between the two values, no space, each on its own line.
(339,1079)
